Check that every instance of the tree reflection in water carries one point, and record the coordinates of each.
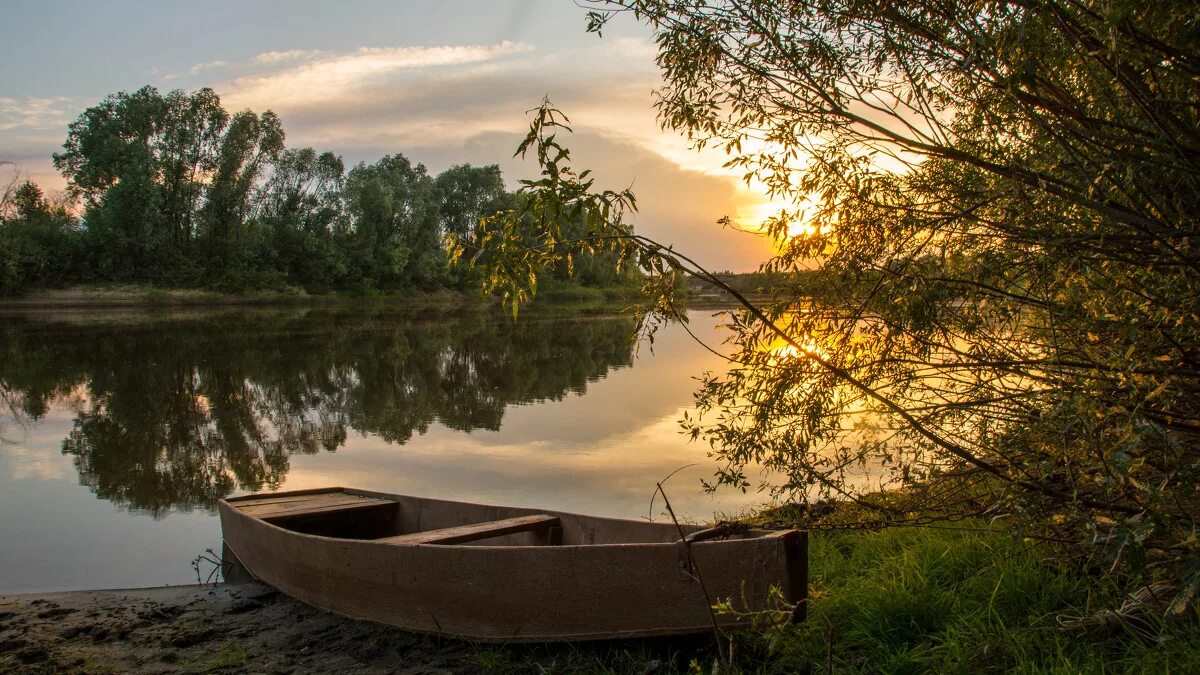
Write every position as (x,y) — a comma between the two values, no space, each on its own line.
(179,413)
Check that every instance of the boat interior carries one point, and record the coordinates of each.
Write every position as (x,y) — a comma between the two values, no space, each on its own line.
(396,519)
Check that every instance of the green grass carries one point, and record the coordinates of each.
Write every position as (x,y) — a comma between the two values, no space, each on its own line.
(129,295)
(229,658)
(584,659)
(555,291)
(913,600)
(934,600)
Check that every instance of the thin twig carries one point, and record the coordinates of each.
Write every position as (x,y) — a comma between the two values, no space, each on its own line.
(654,495)
(694,571)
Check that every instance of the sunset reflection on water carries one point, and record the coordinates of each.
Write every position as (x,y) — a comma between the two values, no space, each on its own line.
(118,437)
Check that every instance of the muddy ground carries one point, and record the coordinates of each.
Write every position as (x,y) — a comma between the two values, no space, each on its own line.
(243,627)
(250,628)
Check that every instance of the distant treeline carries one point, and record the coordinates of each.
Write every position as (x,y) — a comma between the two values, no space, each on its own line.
(185,411)
(175,191)
(748,283)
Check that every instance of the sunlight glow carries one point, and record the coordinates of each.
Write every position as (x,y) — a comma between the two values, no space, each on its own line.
(760,207)
(788,352)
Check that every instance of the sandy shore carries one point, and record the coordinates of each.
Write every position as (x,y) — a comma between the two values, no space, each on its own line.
(242,628)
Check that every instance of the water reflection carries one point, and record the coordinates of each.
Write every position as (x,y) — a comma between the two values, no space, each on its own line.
(177,414)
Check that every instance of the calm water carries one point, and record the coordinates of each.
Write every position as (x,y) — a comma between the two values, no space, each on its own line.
(119,432)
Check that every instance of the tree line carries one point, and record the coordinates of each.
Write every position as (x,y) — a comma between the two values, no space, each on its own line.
(181,413)
(173,190)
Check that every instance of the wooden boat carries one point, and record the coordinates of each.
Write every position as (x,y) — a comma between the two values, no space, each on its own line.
(501,574)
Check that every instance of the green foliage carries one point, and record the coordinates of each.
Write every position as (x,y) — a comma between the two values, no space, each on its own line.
(139,162)
(301,209)
(998,286)
(395,210)
(558,220)
(39,241)
(176,191)
(468,194)
(250,145)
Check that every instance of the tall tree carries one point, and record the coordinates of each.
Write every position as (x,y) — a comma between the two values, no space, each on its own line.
(139,161)
(1001,201)
(395,214)
(187,148)
(304,189)
(301,205)
(467,194)
(249,146)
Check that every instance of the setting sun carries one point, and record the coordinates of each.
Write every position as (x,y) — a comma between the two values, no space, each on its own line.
(759,208)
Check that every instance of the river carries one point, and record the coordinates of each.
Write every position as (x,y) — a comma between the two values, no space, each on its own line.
(119,430)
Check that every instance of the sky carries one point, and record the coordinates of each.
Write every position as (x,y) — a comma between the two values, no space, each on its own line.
(441,82)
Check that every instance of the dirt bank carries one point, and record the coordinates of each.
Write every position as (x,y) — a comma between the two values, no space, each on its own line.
(243,627)
(143,297)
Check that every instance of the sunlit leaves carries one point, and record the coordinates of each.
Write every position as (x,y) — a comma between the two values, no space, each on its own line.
(1004,270)
(557,217)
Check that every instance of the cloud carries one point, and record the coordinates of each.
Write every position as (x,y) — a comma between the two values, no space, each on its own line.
(34,113)
(198,68)
(455,90)
(477,116)
(330,76)
(290,55)
(676,206)
(451,104)
(30,130)
(376,102)
(264,58)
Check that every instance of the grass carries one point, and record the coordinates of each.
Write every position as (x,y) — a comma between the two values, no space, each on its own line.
(555,291)
(142,295)
(912,600)
(581,659)
(134,295)
(550,292)
(933,600)
(230,657)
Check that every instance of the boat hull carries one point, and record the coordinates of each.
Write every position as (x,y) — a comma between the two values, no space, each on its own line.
(632,579)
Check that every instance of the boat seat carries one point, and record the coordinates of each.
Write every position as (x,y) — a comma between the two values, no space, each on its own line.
(272,510)
(476,531)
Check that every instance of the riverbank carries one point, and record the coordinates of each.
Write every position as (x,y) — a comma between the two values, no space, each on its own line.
(244,627)
(899,600)
(142,296)
(248,627)
(134,296)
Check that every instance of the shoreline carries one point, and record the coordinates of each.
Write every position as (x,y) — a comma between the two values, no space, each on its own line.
(246,626)
(149,297)
(897,599)
(231,627)
(132,298)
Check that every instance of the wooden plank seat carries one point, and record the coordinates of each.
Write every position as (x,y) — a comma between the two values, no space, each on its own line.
(310,505)
(476,531)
